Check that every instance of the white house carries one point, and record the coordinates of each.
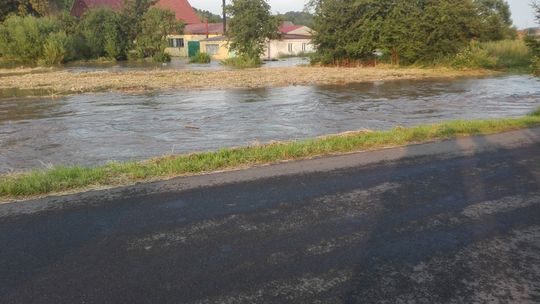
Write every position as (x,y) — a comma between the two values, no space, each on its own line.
(295,40)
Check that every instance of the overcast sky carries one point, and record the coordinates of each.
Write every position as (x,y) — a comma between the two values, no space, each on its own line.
(521,10)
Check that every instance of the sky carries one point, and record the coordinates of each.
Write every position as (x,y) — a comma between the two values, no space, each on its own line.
(521,11)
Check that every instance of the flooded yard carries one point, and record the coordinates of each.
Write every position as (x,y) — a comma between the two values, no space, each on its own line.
(92,129)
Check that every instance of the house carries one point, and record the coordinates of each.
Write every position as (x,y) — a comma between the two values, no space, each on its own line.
(534,32)
(217,47)
(180,45)
(189,43)
(182,9)
(294,40)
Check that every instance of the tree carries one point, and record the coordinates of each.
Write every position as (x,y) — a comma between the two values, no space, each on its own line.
(299,18)
(103,35)
(22,39)
(33,7)
(495,20)
(132,15)
(156,24)
(8,7)
(534,44)
(536,7)
(407,31)
(250,26)
(207,15)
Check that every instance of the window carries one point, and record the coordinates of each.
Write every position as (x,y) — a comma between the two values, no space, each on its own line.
(176,42)
(212,49)
(304,47)
(290,48)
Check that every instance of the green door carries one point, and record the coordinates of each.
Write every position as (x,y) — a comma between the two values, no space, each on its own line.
(194,47)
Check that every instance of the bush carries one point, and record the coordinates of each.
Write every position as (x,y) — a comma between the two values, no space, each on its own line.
(156,24)
(23,39)
(510,54)
(242,62)
(474,56)
(55,49)
(505,54)
(161,57)
(102,34)
(535,66)
(200,58)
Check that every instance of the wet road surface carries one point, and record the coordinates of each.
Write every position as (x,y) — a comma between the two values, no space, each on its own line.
(444,228)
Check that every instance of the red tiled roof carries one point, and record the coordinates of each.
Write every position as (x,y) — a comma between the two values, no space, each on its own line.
(181,8)
(287,27)
(200,29)
(81,6)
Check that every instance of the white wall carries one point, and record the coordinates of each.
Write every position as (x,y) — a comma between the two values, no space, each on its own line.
(275,48)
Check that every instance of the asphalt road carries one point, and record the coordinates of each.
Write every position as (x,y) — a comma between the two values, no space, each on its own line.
(452,222)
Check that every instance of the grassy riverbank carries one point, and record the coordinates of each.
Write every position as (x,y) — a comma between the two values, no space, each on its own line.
(62,179)
(59,82)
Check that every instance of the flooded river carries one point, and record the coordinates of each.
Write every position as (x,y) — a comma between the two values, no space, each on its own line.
(92,129)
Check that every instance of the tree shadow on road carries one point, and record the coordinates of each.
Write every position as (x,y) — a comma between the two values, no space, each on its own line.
(447,233)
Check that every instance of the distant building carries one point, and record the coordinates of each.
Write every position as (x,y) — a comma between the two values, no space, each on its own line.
(294,40)
(531,32)
(189,43)
(182,9)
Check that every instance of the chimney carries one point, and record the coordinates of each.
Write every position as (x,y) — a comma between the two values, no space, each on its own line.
(224,17)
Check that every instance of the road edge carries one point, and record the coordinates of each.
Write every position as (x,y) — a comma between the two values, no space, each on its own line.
(464,146)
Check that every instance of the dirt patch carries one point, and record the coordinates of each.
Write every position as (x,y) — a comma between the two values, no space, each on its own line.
(65,82)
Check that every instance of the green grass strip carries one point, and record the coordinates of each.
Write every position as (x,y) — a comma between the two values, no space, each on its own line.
(61,179)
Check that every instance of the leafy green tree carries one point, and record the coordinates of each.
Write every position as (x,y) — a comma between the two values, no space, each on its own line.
(156,24)
(102,33)
(495,20)
(407,31)
(132,16)
(299,18)
(207,15)
(8,7)
(250,26)
(33,7)
(449,25)
(23,39)
(534,44)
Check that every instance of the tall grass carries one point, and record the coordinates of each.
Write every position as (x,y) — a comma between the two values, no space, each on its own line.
(71,178)
(505,55)
(200,58)
(242,62)
(509,53)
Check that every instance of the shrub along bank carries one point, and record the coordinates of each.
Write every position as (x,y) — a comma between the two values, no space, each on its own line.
(513,55)
(76,178)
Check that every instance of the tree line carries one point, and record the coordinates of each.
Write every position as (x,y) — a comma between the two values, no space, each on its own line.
(32,34)
(405,31)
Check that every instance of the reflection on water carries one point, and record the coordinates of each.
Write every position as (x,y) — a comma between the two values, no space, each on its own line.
(91,129)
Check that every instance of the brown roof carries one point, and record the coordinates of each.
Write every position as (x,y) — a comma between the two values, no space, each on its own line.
(288,27)
(200,29)
(181,8)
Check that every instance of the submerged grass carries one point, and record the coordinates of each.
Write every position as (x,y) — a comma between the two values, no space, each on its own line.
(63,179)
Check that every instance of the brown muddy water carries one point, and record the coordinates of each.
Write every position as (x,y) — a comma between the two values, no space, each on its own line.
(92,129)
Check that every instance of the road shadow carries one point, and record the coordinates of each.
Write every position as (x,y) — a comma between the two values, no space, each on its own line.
(449,234)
